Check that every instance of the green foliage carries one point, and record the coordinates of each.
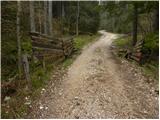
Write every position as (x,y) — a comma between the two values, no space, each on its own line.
(67,62)
(9,38)
(151,43)
(26,45)
(151,69)
(89,17)
(123,42)
(82,40)
(116,17)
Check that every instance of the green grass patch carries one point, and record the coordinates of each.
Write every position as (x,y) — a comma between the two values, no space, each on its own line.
(151,69)
(122,42)
(125,42)
(82,40)
(67,62)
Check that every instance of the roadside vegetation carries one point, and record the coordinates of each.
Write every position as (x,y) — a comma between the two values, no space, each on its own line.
(150,65)
(40,78)
(59,19)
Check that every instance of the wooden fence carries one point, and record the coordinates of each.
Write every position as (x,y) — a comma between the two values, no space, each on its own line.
(50,49)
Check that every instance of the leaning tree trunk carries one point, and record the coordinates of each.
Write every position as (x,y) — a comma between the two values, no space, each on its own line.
(50,18)
(45,17)
(156,20)
(32,22)
(135,21)
(77,20)
(18,39)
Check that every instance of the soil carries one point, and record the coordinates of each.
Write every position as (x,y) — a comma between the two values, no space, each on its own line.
(98,85)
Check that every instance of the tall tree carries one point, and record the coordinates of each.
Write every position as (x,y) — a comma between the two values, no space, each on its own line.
(135,21)
(156,19)
(39,16)
(19,38)
(50,17)
(45,17)
(32,21)
(77,19)
(63,11)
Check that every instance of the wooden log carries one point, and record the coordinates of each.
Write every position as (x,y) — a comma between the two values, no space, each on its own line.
(139,43)
(67,46)
(41,55)
(138,47)
(135,58)
(55,60)
(139,55)
(46,45)
(39,50)
(69,38)
(42,39)
(41,35)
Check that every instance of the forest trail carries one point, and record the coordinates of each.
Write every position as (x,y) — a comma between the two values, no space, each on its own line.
(97,85)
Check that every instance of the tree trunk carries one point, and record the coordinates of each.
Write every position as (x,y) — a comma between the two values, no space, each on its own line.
(62,17)
(77,20)
(50,18)
(63,11)
(156,20)
(32,22)
(18,38)
(40,22)
(45,17)
(26,70)
(135,21)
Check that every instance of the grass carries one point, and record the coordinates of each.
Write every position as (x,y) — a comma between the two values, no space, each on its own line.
(39,78)
(122,42)
(82,40)
(17,108)
(125,42)
(149,68)
(67,62)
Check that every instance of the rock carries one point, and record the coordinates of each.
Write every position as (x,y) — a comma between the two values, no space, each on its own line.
(27,103)
(43,89)
(60,93)
(76,98)
(26,98)
(77,103)
(109,99)
(145,111)
(41,107)
(7,98)
(77,117)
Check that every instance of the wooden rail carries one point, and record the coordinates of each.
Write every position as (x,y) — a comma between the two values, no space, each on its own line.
(136,53)
(47,47)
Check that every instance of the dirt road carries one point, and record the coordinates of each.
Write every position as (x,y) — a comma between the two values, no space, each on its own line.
(97,85)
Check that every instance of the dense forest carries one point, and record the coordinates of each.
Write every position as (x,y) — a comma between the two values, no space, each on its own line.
(37,37)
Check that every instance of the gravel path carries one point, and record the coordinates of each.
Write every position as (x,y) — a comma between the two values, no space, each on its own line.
(97,85)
